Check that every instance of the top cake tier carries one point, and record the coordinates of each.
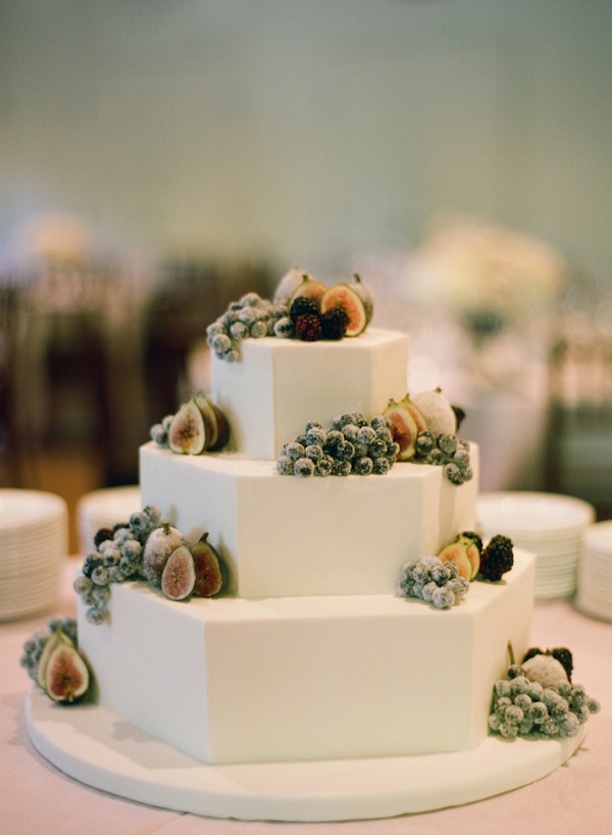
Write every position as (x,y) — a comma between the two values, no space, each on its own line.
(278,385)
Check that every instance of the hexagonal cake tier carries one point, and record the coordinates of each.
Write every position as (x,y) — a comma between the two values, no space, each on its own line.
(232,680)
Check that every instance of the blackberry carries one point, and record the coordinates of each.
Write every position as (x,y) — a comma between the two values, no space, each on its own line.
(497,558)
(308,327)
(102,535)
(459,415)
(334,323)
(564,657)
(301,306)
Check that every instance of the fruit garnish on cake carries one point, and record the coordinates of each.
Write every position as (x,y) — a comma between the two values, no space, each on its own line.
(425,426)
(301,308)
(444,579)
(52,659)
(150,550)
(476,561)
(537,698)
(433,580)
(354,444)
(198,426)
(351,444)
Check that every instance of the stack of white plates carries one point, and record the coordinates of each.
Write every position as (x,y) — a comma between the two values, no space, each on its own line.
(33,547)
(595,572)
(104,509)
(549,525)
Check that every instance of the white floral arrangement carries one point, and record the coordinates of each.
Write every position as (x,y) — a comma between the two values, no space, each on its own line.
(478,268)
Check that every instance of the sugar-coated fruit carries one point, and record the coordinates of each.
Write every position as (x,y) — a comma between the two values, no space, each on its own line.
(288,284)
(544,669)
(210,573)
(417,414)
(403,429)
(66,675)
(309,287)
(178,577)
(473,544)
(209,417)
(159,545)
(365,294)
(55,640)
(187,433)
(457,553)
(437,411)
(345,297)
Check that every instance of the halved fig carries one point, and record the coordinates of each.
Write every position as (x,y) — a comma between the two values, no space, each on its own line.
(223,429)
(178,577)
(67,676)
(211,427)
(403,428)
(473,550)
(457,552)
(209,568)
(311,288)
(55,639)
(187,433)
(417,414)
(341,295)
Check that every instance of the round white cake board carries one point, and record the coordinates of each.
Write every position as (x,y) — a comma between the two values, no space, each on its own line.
(96,747)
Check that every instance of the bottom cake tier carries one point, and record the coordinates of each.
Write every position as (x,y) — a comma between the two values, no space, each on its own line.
(231,680)
(96,747)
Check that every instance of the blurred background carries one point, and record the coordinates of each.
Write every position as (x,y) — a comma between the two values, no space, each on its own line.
(159,159)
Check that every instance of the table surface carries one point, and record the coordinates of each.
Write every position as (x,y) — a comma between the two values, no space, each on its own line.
(35,797)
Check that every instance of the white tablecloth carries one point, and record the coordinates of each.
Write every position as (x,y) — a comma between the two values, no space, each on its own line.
(36,798)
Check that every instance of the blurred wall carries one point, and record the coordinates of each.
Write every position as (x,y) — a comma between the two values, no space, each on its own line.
(303,131)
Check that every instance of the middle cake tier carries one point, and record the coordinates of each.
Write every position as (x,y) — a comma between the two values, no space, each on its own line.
(284,536)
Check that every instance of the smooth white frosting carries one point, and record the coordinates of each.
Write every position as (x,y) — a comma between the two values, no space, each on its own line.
(278,385)
(283,535)
(234,680)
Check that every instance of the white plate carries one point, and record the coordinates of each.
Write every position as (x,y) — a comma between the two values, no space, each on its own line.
(105,508)
(532,512)
(23,508)
(599,537)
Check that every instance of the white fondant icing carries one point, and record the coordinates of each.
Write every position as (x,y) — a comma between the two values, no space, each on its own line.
(278,385)
(282,535)
(235,680)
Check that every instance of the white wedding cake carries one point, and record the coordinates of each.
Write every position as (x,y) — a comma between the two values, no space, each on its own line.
(294,595)
(312,655)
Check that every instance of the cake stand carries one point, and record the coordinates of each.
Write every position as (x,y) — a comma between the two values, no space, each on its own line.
(94,746)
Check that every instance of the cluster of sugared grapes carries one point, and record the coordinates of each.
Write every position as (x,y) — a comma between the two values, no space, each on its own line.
(250,317)
(522,707)
(159,431)
(434,581)
(446,451)
(118,557)
(34,646)
(351,445)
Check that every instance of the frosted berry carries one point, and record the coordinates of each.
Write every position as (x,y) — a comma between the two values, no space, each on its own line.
(497,558)
(308,327)
(301,306)
(334,323)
